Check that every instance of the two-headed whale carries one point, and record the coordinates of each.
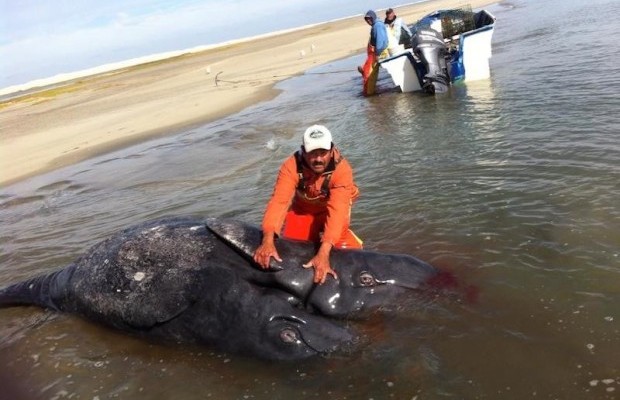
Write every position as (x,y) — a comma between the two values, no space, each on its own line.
(192,280)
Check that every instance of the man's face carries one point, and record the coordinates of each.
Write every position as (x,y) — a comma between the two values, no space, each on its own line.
(318,159)
(368,21)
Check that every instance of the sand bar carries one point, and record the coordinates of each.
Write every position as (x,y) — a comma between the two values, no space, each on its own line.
(94,115)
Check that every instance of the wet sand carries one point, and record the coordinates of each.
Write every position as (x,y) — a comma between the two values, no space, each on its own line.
(59,126)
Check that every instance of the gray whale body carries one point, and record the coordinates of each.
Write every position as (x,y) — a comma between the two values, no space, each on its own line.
(192,280)
(366,281)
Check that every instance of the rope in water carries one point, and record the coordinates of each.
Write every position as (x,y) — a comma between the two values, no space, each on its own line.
(218,80)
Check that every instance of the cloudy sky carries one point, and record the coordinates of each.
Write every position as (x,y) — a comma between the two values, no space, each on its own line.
(43,38)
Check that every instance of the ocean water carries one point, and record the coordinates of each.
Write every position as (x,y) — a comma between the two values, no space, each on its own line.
(511,184)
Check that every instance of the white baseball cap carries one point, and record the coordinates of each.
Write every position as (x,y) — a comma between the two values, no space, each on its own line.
(317,137)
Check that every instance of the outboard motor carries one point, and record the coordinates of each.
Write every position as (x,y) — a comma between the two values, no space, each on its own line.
(429,48)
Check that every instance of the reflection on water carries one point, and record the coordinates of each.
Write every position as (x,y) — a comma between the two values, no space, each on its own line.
(511,184)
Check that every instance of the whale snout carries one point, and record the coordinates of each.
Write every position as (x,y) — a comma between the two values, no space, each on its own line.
(299,337)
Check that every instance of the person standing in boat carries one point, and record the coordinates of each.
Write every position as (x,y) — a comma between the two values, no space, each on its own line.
(399,30)
(376,49)
(311,200)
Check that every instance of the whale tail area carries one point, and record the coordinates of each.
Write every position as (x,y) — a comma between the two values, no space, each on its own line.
(40,291)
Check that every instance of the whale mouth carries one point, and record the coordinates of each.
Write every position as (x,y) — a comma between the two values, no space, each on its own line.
(399,284)
(408,279)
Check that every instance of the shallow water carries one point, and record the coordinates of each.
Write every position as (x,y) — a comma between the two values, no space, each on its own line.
(512,184)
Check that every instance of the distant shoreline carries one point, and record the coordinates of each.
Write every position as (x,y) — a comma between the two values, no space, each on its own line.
(15,91)
(56,126)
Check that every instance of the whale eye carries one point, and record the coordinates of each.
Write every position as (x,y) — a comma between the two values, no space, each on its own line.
(288,335)
(366,279)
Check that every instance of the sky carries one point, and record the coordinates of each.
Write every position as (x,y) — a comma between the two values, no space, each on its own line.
(43,38)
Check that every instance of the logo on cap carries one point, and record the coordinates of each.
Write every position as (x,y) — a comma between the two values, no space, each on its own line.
(316,134)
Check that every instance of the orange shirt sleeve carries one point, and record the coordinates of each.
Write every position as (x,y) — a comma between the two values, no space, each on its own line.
(342,192)
(283,192)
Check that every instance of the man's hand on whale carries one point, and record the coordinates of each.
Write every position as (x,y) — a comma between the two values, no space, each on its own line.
(321,265)
(320,262)
(266,250)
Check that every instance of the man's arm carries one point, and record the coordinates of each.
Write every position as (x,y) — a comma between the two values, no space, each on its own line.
(282,196)
(403,25)
(275,212)
(380,38)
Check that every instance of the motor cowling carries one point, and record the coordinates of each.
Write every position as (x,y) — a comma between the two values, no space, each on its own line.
(429,48)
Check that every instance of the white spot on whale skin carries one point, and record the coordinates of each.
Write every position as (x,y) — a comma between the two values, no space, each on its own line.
(157,231)
(195,228)
(138,276)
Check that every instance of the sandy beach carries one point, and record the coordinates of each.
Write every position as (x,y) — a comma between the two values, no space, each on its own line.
(90,116)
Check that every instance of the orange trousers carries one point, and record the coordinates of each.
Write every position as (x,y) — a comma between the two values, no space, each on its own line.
(310,226)
(370,73)
(370,70)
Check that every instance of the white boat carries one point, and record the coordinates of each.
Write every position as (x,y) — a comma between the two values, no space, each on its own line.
(447,46)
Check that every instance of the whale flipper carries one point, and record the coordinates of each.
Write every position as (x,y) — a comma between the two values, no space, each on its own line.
(244,238)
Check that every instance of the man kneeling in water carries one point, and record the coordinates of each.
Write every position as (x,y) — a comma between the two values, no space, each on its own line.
(311,200)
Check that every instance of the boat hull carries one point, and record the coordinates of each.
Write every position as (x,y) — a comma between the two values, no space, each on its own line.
(433,63)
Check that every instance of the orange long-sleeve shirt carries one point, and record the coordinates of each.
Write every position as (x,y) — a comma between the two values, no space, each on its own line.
(342,193)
